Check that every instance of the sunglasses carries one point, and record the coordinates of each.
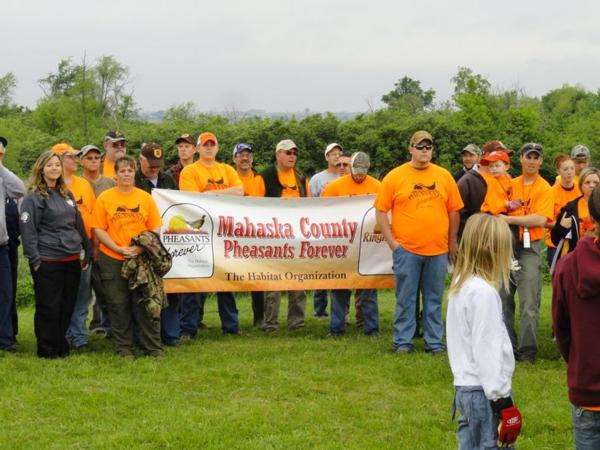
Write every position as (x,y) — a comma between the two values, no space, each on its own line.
(291,152)
(424,147)
(338,165)
(119,144)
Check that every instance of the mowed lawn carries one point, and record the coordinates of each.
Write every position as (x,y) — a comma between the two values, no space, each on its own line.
(284,390)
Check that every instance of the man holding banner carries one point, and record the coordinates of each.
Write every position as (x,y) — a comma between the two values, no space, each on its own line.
(283,180)
(208,175)
(357,183)
(425,202)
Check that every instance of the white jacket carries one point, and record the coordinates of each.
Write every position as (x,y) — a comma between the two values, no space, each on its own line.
(479,348)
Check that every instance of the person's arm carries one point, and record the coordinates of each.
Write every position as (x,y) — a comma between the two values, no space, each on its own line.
(530,221)
(13,185)
(561,321)
(105,239)
(454,217)
(384,223)
(564,222)
(233,190)
(29,221)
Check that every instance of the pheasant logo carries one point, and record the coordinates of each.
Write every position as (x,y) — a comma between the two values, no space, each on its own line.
(178,225)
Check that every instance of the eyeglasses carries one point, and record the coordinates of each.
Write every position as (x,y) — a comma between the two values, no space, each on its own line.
(339,165)
(291,152)
(424,147)
(119,144)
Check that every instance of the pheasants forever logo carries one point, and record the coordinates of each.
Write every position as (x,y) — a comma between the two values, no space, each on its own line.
(183,230)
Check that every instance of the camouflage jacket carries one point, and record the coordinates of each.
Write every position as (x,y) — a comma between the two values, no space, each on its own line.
(145,272)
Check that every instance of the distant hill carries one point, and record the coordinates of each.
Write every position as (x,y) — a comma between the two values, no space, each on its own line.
(158,116)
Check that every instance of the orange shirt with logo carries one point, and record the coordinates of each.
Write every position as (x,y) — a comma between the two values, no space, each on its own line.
(586,224)
(288,180)
(124,216)
(499,191)
(561,197)
(421,201)
(198,177)
(251,184)
(84,197)
(537,199)
(346,185)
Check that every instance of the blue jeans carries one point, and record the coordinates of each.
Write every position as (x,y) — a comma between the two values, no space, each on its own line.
(340,304)
(77,333)
(6,302)
(191,312)
(320,303)
(228,312)
(477,424)
(170,326)
(586,428)
(409,269)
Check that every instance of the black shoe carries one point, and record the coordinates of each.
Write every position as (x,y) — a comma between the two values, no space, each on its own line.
(12,348)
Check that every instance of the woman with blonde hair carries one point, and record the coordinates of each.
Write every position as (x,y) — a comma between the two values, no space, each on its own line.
(479,349)
(57,247)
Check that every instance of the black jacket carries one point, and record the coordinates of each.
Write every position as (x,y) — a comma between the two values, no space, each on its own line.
(472,187)
(51,227)
(459,174)
(559,232)
(164,181)
(273,186)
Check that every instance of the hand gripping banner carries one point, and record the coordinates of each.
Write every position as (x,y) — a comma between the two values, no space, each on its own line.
(231,243)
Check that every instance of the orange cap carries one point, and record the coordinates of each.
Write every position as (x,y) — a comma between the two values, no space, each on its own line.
(207,136)
(496,155)
(61,148)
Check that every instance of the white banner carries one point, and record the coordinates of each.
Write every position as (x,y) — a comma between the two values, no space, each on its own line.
(231,243)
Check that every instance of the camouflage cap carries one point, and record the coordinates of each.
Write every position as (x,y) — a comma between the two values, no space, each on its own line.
(114,136)
(472,149)
(580,151)
(420,136)
(360,163)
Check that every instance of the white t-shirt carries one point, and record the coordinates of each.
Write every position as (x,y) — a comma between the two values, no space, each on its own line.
(320,180)
(479,349)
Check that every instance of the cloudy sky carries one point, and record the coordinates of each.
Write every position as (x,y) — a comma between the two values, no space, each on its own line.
(325,55)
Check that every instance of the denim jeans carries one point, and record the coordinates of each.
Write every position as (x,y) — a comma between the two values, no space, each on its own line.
(191,312)
(228,313)
(409,269)
(586,428)
(6,301)
(340,303)
(170,325)
(477,424)
(77,334)
(320,303)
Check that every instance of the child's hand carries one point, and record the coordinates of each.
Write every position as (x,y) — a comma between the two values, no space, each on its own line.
(566,221)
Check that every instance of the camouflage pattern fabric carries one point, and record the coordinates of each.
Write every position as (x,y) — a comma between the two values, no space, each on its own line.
(144,273)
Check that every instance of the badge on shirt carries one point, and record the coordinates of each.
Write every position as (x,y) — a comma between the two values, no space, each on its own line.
(70,203)
(25,217)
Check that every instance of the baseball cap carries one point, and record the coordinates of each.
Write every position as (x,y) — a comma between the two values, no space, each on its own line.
(62,148)
(532,147)
(359,163)
(492,146)
(86,149)
(498,155)
(420,136)
(332,146)
(472,149)
(185,138)
(3,141)
(241,147)
(114,136)
(580,151)
(153,152)
(207,136)
(286,144)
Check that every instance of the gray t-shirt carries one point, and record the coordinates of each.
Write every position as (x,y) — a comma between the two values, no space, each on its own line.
(320,180)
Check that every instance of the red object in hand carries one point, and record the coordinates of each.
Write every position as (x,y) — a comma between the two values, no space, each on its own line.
(510,425)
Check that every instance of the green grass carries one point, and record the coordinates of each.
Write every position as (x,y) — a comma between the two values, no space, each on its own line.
(287,390)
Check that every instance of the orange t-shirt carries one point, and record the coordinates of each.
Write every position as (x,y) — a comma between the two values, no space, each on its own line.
(420,201)
(251,184)
(198,177)
(537,199)
(84,197)
(124,216)
(346,185)
(290,187)
(108,169)
(561,197)
(586,224)
(499,190)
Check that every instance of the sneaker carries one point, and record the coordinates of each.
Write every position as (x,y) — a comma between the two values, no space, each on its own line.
(185,338)
(321,315)
(12,348)
(203,326)
(437,352)
(98,332)
(404,350)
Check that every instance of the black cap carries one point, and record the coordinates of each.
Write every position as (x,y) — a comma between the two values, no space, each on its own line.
(4,141)
(531,147)
(153,152)
(186,138)
(114,136)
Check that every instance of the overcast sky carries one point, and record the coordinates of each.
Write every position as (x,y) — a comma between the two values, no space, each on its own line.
(326,55)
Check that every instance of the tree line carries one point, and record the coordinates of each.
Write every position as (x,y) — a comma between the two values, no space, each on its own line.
(82,100)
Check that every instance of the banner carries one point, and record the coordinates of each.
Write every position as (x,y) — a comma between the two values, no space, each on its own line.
(231,243)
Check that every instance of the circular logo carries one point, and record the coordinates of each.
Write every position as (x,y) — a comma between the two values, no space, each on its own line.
(70,202)
(25,217)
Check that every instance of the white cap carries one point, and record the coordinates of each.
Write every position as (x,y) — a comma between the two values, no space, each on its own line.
(332,146)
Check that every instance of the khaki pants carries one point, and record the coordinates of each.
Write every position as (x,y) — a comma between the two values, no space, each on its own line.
(123,308)
(296,307)
(527,282)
